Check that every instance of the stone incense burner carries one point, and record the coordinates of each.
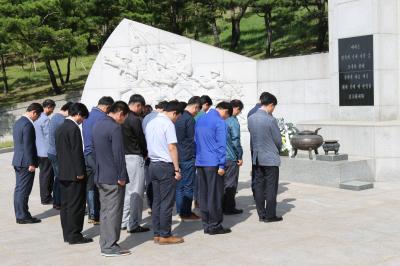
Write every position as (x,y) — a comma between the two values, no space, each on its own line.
(306,141)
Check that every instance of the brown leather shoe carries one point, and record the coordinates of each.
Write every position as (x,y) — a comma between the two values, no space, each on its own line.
(190,218)
(170,240)
(156,239)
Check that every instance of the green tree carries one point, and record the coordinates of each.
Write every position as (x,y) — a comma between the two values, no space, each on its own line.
(236,10)
(264,9)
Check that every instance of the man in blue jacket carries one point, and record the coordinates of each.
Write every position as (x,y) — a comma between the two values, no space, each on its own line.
(210,136)
(92,193)
(111,177)
(25,161)
(234,160)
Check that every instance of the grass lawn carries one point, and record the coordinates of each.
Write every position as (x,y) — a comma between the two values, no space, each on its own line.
(6,144)
(26,84)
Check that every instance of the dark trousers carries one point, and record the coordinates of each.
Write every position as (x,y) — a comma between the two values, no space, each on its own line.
(211,192)
(23,188)
(92,192)
(46,179)
(164,186)
(265,190)
(112,204)
(149,186)
(56,185)
(72,214)
(231,179)
(184,188)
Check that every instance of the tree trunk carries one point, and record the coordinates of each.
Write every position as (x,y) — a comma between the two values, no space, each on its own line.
(60,75)
(5,81)
(68,70)
(235,33)
(322,28)
(268,29)
(53,78)
(215,31)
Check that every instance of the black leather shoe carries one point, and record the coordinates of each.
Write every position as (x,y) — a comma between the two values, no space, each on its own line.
(139,229)
(273,219)
(32,220)
(83,240)
(220,231)
(233,212)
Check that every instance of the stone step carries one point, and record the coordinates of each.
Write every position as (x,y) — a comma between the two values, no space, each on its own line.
(356,185)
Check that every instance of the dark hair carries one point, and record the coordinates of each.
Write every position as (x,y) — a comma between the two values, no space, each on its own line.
(119,106)
(267,98)
(195,100)
(225,106)
(137,98)
(147,110)
(66,106)
(183,105)
(106,100)
(36,107)
(206,99)
(49,103)
(174,106)
(161,105)
(237,103)
(78,109)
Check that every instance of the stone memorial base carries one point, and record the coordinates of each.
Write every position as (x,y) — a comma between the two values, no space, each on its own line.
(327,173)
(332,157)
(356,185)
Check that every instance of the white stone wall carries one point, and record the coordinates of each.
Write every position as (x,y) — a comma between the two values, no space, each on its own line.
(350,18)
(160,65)
(301,84)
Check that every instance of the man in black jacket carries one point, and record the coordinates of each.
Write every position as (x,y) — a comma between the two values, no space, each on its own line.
(111,177)
(135,155)
(25,161)
(72,174)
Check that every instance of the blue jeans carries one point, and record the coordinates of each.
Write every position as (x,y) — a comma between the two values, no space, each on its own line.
(92,196)
(56,185)
(185,187)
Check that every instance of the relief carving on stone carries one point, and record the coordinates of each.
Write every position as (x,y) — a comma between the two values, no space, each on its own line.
(165,72)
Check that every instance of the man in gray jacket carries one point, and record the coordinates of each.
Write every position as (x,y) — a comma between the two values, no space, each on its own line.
(266,142)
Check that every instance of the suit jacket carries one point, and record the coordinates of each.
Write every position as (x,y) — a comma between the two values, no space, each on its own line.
(25,153)
(266,140)
(70,151)
(109,152)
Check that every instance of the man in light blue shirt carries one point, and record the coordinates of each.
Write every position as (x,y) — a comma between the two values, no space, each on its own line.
(164,170)
(46,174)
(234,154)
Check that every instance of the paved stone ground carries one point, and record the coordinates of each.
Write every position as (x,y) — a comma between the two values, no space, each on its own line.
(322,226)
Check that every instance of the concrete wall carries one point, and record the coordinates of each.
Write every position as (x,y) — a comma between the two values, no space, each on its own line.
(301,84)
(10,115)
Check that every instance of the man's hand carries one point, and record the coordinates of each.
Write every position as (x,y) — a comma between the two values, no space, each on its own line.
(80,177)
(240,162)
(221,172)
(122,183)
(31,168)
(178,176)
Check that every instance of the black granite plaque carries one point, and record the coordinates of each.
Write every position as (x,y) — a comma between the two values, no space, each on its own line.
(356,71)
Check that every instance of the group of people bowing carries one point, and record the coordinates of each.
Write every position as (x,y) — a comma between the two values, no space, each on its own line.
(179,153)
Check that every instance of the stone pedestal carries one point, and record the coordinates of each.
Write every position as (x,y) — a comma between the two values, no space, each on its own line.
(332,157)
(326,173)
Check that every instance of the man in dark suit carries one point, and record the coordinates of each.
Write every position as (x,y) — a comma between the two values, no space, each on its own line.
(25,161)
(111,177)
(72,174)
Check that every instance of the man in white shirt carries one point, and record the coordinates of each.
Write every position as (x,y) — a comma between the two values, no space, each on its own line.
(164,170)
